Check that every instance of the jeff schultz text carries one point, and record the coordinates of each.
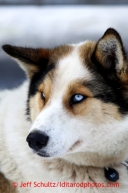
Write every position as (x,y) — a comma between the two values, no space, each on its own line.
(65,184)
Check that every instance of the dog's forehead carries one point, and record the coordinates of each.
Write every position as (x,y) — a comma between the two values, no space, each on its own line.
(73,67)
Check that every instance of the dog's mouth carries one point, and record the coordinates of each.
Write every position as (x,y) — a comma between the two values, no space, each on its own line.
(75,145)
(71,149)
(43,154)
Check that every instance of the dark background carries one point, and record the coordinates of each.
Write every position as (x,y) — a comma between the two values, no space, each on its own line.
(63,2)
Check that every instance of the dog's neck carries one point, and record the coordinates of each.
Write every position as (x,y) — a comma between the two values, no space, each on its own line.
(111,174)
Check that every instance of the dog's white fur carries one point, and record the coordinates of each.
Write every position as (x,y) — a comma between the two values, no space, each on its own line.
(61,138)
(68,163)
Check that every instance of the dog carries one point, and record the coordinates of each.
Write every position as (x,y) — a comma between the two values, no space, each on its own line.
(65,129)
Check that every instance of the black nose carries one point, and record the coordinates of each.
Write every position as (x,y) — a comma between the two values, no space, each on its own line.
(37,140)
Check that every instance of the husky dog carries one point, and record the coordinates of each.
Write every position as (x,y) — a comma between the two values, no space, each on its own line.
(65,130)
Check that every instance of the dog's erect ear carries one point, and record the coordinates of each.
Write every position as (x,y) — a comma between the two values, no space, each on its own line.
(30,60)
(109,52)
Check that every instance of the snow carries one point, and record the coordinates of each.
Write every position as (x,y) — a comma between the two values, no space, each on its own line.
(48,26)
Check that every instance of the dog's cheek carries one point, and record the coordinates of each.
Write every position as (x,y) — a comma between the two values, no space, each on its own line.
(36,104)
(96,112)
(95,119)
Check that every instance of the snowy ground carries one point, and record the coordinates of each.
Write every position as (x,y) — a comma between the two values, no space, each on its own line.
(51,26)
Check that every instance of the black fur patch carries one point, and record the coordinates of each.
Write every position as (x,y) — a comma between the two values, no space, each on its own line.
(25,55)
(35,82)
(106,87)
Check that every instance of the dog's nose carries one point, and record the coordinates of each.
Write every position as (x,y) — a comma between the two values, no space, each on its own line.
(37,140)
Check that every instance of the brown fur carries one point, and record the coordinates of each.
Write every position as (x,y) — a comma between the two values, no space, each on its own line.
(85,51)
(37,103)
(60,52)
(88,105)
(35,109)
(91,105)
(85,108)
(5,185)
(71,90)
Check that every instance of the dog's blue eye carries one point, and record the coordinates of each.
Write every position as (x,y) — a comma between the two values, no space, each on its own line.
(43,95)
(77,98)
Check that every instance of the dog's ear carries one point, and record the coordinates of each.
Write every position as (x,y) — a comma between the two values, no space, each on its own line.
(110,54)
(30,60)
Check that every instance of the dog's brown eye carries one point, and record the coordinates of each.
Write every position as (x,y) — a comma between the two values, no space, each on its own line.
(77,98)
(43,95)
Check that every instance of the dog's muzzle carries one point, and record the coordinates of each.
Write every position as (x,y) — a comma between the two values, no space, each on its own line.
(37,140)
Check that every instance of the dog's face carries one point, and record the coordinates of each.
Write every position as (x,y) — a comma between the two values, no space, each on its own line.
(77,99)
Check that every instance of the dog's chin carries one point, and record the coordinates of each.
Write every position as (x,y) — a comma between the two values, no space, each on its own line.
(69,156)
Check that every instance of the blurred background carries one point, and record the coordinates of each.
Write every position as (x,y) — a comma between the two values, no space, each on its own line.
(50,23)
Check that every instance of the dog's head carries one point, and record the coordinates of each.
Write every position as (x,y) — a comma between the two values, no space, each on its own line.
(78,100)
